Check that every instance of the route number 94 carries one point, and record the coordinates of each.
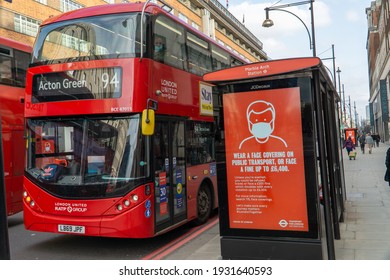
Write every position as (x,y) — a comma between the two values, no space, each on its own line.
(107,80)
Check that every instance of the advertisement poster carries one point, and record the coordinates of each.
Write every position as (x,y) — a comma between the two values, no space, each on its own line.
(163,193)
(351,133)
(46,146)
(179,189)
(205,99)
(264,158)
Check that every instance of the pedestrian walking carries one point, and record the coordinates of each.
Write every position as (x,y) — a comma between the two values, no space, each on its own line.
(387,163)
(373,138)
(370,142)
(349,145)
(377,140)
(362,141)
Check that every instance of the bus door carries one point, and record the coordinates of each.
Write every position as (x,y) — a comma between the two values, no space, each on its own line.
(170,178)
(17,168)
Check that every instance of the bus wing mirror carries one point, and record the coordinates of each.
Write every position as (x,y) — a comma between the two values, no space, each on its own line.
(147,122)
(148,117)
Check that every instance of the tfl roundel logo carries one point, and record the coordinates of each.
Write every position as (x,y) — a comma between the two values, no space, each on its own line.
(283,223)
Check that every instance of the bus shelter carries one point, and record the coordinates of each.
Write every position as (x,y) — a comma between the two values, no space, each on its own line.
(279,128)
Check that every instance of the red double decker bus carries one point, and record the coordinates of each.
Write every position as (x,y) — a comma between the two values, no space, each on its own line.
(120,128)
(14,60)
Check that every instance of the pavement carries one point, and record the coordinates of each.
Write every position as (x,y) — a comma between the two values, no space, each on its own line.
(365,231)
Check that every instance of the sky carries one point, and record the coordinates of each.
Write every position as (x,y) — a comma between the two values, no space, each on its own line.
(342,23)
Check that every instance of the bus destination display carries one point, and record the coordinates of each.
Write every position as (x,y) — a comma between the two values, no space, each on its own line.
(96,83)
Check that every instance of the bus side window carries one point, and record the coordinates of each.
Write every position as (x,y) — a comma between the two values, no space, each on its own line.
(220,58)
(235,62)
(173,36)
(176,54)
(200,143)
(199,57)
(22,61)
(5,70)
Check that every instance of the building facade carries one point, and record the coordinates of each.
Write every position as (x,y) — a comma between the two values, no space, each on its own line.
(19,20)
(378,53)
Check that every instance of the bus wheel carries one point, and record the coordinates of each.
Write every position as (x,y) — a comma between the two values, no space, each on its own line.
(203,204)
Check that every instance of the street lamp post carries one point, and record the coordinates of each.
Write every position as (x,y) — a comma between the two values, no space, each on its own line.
(350,110)
(341,108)
(345,113)
(334,66)
(268,22)
(356,118)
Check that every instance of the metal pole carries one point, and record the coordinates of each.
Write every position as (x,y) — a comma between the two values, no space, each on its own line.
(293,4)
(334,67)
(280,8)
(142,29)
(312,29)
(4,240)
(345,114)
(341,108)
(350,109)
(356,119)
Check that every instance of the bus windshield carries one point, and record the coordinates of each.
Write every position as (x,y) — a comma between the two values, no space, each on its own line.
(100,37)
(87,158)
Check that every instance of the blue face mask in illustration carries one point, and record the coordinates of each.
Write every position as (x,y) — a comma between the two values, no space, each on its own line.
(261,130)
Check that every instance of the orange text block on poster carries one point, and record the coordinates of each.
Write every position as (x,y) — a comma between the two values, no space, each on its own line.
(264,158)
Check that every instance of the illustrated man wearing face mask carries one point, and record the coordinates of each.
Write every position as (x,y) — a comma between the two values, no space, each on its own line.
(261,122)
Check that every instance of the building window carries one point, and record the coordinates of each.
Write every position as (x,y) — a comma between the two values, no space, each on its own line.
(44,2)
(183,18)
(194,25)
(68,5)
(26,25)
(110,1)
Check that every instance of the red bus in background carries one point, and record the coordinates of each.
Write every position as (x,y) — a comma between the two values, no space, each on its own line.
(14,60)
(120,128)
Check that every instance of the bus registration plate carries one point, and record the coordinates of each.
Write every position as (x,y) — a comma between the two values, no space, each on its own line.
(71,229)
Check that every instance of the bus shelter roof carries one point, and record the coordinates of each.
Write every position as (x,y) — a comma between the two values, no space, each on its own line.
(262,69)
